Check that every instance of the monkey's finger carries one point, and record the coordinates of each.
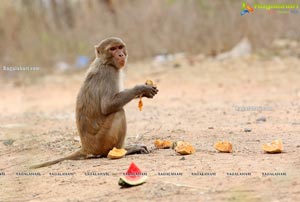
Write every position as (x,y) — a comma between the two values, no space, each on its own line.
(155,89)
(154,92)
(151,93)
(144,150)
(149,96)
(147,149)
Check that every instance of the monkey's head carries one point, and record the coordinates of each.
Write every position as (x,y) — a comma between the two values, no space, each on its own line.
(112,51)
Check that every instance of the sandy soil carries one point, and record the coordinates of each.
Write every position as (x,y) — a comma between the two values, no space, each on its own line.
(200,103)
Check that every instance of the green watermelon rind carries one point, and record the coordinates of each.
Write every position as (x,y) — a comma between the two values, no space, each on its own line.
(128,181)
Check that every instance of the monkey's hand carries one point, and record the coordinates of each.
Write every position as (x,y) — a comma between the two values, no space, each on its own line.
(146,91)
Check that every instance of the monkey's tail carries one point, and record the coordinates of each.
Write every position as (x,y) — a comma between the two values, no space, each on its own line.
(78,155)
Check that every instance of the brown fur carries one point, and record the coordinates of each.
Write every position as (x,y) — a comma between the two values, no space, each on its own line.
(100,116)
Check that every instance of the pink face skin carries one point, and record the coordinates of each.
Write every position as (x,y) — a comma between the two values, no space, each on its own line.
(119,55)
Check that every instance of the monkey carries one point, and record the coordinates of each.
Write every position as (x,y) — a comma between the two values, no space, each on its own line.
(100,117)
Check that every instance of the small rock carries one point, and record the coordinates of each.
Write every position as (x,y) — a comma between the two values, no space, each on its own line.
(8,142)
(183,158)
(210,127)
(261,119)
(247,130)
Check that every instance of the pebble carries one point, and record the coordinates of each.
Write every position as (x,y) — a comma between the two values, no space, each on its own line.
(8,142)
(261,119)
(247,130)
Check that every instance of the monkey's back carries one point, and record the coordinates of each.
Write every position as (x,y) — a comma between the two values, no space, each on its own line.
(94,127)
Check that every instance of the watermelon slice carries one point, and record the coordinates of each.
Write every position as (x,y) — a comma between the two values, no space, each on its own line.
(132,177)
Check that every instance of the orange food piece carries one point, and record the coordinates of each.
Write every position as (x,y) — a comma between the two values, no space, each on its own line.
(116,153)
(150,83)
(273,147)
(184,148)
(140,104)
(162,144)
(223,146)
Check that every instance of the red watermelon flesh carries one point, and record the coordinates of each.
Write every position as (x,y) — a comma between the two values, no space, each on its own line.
(133,176)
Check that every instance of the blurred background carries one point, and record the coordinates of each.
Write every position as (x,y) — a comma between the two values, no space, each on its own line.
(62,33)
(220,75)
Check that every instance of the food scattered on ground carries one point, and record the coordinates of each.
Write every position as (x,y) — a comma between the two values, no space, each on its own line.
(183,148)
(163,144)
(223,146)
(116,153)
(273,147)
(132,177)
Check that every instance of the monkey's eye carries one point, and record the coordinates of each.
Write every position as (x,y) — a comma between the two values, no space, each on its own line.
(121,47)
(112,48)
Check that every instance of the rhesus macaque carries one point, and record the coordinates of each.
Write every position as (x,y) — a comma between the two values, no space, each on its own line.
(100,116)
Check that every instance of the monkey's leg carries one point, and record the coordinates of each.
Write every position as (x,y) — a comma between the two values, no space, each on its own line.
(119,128)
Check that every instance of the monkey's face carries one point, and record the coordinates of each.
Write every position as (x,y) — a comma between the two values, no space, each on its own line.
(118,55)
(112,51)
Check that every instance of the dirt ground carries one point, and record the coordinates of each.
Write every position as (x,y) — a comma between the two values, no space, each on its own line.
(200,103)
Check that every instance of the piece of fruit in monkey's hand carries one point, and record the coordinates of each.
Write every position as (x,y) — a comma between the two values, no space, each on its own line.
(116,153)
(150,83)
(225,146)
(163,144)
(183,148)
(273,147)
(140,105)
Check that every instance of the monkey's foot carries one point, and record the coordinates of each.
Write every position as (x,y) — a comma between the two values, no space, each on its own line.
(136,149)
(93,156)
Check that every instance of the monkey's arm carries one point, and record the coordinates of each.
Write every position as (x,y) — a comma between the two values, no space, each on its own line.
(113,103)
(116,102)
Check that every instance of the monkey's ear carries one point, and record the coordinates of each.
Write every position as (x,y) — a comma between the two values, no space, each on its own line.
(97,50)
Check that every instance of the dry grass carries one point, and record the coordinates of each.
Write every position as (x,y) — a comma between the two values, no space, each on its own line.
(34,34)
